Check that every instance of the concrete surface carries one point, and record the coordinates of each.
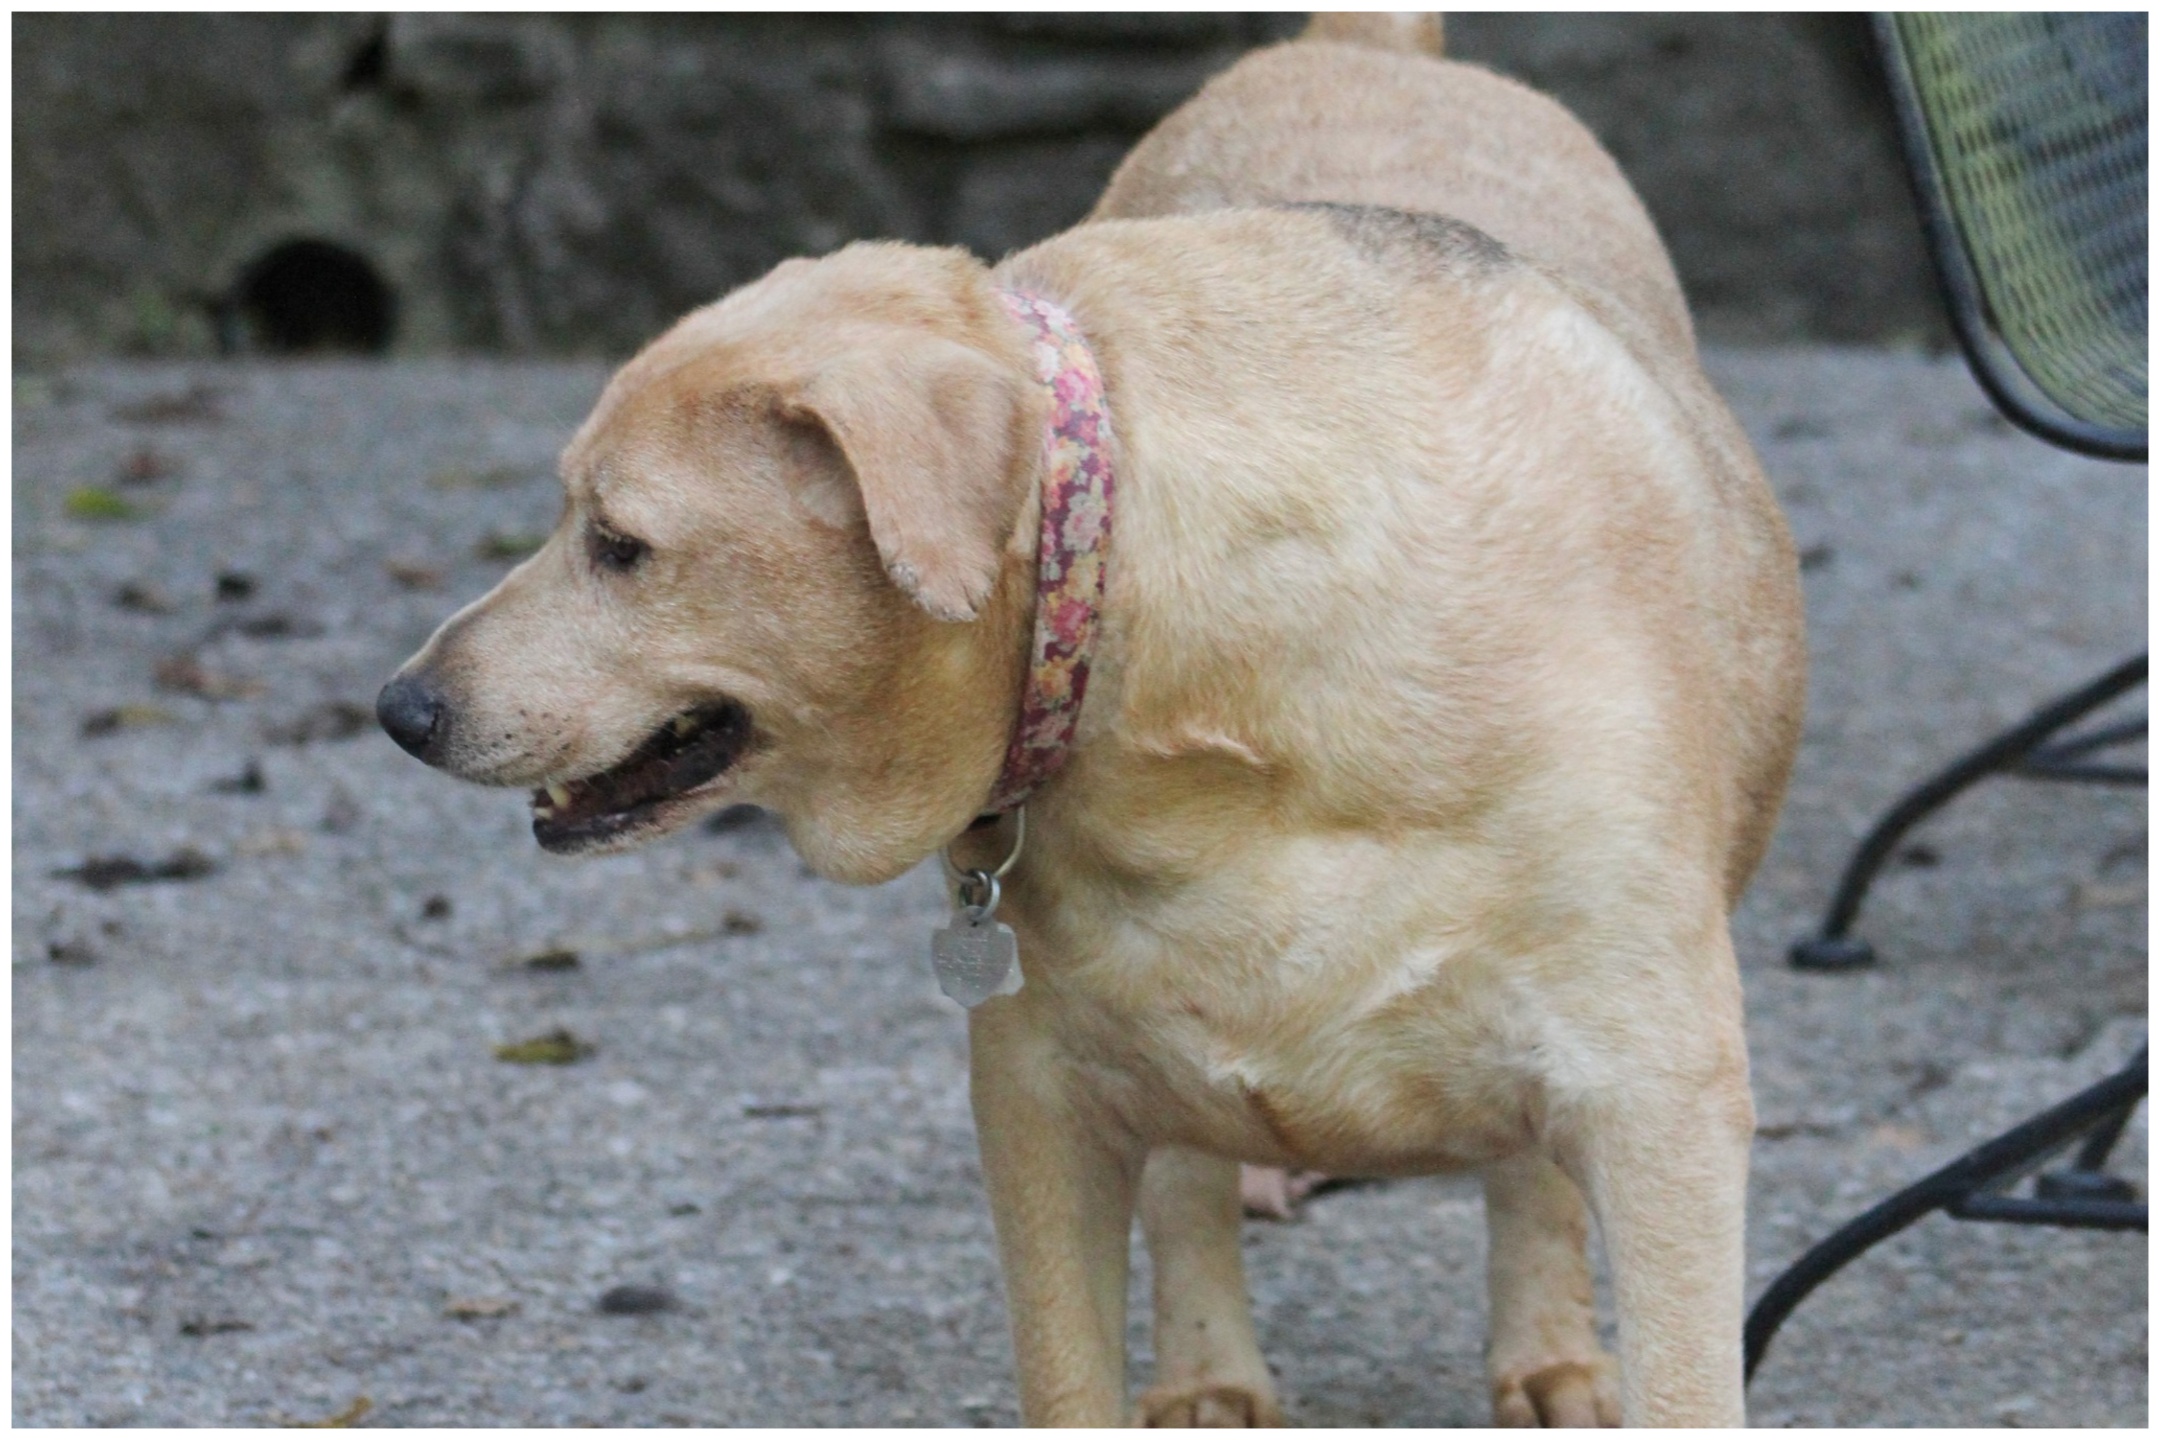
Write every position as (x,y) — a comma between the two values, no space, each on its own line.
(264,1154)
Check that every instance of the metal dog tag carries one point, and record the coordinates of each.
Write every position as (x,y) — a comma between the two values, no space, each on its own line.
(976,957)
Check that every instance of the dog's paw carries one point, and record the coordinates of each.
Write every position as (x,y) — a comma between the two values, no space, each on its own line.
(1567,1394)
(1272,1193)
(1208,1404)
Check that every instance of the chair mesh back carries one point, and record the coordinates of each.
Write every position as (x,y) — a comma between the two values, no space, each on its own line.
(2037,123)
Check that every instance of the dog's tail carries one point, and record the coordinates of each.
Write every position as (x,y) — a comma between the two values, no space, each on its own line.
(1413,32)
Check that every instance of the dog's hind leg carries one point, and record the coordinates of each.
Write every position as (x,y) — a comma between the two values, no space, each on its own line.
(1543,1357)
(1208,1370)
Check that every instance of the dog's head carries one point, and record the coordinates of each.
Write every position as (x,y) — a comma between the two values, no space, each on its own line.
(793,569)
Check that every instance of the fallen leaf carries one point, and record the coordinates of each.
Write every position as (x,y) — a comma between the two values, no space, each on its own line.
(1893,1136)
(557,1047)
(70,952)
(479,1307)
(741,922)
(124,717)
(612,943)
(95,502)
(638,1300)
(498,545)
(105,872)
(332,720)
(143,599)
(248,782)
(484,477)
(558,959)
(1789,1129)
(2092,895)
(272,842)
(344,1419)
(412,575)
(146,467)
(190,676)
(200,1325)
(277,626)
(235,585)
(782,1112)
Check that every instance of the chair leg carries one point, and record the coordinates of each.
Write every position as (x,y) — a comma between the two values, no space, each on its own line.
(2086,1177)
(1834,948)
(2101,1143)
(1965,1189)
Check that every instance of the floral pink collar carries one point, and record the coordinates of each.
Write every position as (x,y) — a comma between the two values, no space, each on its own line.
(1077,479)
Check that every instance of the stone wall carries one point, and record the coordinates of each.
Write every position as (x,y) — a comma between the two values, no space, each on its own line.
(570,183)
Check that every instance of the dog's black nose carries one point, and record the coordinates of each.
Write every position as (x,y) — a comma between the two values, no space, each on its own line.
(412,713)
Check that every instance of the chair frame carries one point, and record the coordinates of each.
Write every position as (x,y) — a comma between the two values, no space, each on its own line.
(2026,749)
(1977,1185)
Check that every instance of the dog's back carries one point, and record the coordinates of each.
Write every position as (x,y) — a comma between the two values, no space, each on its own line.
(1361,110)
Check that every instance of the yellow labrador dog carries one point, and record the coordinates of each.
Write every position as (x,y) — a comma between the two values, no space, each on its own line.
(1432,687)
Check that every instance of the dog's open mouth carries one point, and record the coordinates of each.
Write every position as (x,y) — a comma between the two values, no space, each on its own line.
(683,754)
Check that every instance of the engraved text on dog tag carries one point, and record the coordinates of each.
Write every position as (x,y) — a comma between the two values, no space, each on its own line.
(976,957)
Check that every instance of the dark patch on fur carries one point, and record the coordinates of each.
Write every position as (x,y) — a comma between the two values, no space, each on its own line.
(1393,237)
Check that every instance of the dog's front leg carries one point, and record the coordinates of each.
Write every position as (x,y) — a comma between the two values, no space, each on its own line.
(1208,1370)
(1545,1364)
(1664,1163)
(1061,1178)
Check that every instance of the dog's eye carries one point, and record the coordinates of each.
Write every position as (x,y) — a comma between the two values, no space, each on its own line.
(618,553)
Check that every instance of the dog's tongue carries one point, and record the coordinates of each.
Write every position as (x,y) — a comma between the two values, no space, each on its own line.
(681,756)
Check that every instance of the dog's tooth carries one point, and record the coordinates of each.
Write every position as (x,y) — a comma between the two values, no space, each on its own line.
(558,792)
(543,812)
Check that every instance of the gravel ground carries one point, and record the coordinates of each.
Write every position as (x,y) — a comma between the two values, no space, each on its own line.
(266,1161)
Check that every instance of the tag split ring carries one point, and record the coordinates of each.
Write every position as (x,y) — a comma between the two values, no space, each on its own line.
(979,888)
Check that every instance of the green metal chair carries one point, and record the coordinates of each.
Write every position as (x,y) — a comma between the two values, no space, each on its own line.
(2026,138)
(2025,134)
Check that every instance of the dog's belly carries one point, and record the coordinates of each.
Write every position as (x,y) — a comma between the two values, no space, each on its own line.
(1301,1106)
(1291,1013)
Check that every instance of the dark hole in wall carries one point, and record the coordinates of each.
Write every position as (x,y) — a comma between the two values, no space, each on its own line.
(369,66)
(302,295)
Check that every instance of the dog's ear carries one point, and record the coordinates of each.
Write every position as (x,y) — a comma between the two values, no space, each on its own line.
(935,437)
